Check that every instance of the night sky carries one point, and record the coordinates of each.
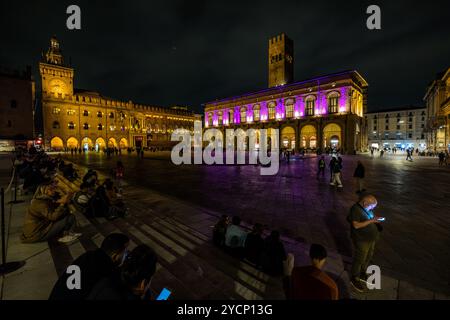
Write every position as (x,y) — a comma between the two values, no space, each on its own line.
(191,52)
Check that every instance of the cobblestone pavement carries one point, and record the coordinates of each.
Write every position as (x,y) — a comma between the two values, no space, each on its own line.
(413,196)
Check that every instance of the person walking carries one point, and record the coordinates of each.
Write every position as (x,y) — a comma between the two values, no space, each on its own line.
(336,170)
(441,158)
(321,167)
(359,176)
(408,155)
(365,230)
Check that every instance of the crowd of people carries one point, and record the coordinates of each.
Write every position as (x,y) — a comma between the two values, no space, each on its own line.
(269,255)
(51,212)
(111,272)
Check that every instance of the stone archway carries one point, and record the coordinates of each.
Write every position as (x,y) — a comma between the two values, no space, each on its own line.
(72,143)
(288,137)
(123,143)
(112,143)
(86,144)
(332,136)
(100,144)
(56,143)
(308,137)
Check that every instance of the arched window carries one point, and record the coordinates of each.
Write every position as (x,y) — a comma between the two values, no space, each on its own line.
(86,126)
(111,115)
(256,113)
(71,125)
(99,114)
(243,115)
(210,117)
(85,113)
(271,110)
(333,99)
(310,104)
(56,125)
(220,118)
(100,126)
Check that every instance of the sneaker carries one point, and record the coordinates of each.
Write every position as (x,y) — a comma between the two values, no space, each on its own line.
(340,186)
(358,285)
(332,184)
(69,238)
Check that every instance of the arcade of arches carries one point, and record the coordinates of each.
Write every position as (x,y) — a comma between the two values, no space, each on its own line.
(57,144)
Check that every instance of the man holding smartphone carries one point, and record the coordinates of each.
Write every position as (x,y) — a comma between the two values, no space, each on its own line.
(365,232)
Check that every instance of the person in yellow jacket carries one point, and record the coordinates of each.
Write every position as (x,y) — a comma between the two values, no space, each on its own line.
(48,218)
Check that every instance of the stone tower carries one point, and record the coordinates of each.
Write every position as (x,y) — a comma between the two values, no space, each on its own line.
(281,60)
(56,77)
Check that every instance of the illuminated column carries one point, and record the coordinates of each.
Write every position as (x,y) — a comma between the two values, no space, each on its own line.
(343,101)
(264,114)
(249,113)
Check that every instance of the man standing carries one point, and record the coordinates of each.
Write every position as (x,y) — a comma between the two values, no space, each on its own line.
(365,231)
(321,167)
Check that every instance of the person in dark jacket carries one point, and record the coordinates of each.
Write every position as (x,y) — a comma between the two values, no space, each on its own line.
(359,176)
(274,254)
(220,229)
(254,245)
(133,280)
(94,266)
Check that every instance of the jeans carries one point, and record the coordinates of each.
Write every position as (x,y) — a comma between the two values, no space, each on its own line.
(60,226)
(362,254)
(336,179)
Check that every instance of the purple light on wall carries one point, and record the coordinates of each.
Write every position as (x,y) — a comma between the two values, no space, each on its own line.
(323,104)
(301,103)
(237,114)
(342,99)
(225,114)
(249,113)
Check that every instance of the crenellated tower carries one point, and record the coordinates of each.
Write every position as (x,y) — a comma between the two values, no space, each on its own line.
(281,60)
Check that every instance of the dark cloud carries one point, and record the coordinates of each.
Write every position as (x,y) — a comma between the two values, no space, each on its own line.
(190,52)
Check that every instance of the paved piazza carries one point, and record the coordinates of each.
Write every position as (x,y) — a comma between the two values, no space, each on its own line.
(413,196)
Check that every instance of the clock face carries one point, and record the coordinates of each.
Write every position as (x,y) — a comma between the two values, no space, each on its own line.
(58,86)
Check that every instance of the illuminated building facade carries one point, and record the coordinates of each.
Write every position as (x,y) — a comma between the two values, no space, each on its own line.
(400,128)
(86,119)
(437,99)
(321,112)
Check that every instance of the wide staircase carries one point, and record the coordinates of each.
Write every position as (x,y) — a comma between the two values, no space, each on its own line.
(189,264)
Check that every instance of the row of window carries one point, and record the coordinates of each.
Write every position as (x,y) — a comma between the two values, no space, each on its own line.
(86,126)
(410,114)
(309,111)
(410,126)
(399,136)
(375,121)
(71,112)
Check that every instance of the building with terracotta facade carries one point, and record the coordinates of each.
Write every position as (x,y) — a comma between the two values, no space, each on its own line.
(74,118)
(437,100)
(326,111)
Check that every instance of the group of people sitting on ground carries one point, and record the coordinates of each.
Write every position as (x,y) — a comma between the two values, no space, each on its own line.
(51,213)
(269,255)
(111,272)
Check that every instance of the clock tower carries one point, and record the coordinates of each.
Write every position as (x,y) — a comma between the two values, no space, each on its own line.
(281,60)
(56,77)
